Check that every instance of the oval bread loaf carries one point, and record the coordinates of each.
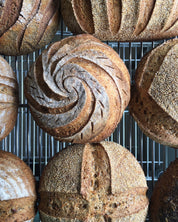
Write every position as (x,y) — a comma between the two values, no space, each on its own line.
(78,89)
(154,100)
(17,189)
(116,20)
(27,25)
(8,98)
(94,183)
(164,200)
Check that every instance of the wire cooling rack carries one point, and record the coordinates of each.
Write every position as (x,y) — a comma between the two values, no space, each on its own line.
(36,147)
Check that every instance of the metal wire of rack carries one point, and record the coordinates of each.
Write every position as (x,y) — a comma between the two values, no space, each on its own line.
(36,147)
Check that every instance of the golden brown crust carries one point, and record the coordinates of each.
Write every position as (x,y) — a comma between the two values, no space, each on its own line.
(58,181)
(31,26)
(82,10)
(18,192)
(135,20)
(99,193)
(64,205)
(74,88)
(114,15)
(21,209)
(164,200)
(137,217)
(172,18)
(66,8)
(153,101)
(120,159)
(145,11)
(8,98)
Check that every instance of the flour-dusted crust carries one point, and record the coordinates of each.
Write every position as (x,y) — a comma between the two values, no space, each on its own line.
(26,26)
(117,20)
(8,98)
(78,89)
(93,182)
(154,96)
(17,193)
(164,199)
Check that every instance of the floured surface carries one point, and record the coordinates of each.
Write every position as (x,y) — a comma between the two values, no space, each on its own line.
(164,87)
(16,179)
(100,195)
(27,25)
(17,189)
(154,100)
(8,98)
(74,88)
(128,20)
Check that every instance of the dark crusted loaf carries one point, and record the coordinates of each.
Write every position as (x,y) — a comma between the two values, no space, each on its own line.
(164,200)
(8,98)
(93,183)
(17,189)
(78,89)
(154,100)
(117,20)
(26,26)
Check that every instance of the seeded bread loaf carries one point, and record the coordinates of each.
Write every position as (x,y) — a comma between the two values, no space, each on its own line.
(154,100)
(78,89)
(94,183)
(17,189)
(116,20)
(8,98)
(164,200)
(27,25)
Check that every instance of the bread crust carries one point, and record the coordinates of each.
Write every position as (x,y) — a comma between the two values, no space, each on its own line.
(135,20)
(108,184)
(18,192)
(74,88)
(66,7)
(30,26)
(154,95)
(164,199)
(8,98)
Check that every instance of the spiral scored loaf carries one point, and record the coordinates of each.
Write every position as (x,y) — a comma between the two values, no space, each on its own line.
(17,189)
(164,200)
(8,98)
(128,20)
(27,25)
(154,97)
(78,89)
(94,183)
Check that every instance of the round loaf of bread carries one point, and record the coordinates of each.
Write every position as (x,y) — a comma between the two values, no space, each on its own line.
(164,200)
(116,20)
(27,25)
(94,183)
(154,97)
(17,189)
(78,89)
(8,98)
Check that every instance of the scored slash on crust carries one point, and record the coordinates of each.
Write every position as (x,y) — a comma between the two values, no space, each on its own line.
(117,20)
(88,185)
(79,81)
